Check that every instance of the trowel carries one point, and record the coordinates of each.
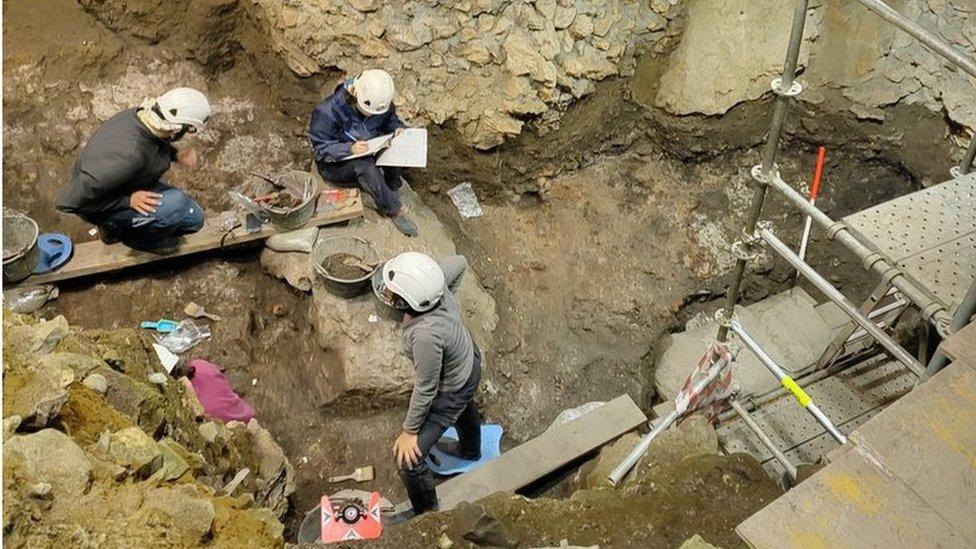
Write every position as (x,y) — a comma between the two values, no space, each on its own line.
(361,474)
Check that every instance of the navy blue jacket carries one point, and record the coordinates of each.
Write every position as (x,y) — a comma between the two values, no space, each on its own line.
(337,124)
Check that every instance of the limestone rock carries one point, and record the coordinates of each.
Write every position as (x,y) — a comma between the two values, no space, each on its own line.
(50,456)
(135,450)
(301,240)
(97,383)
(174,466)
(702,77)
(370,358)
(275,473)
(39,338)
(293,267)
(183,507)
(523,57)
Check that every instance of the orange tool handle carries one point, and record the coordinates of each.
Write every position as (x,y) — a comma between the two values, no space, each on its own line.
(815,188)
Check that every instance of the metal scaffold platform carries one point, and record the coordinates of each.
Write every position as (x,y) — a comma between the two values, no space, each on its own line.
(929,234)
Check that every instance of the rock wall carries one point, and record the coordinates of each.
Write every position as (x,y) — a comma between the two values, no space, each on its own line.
(851,61)
(486,66)
(102,449)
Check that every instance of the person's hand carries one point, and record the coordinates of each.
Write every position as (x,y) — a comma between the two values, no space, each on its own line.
(359,147)
(145,202)
(406,450)
(187,157)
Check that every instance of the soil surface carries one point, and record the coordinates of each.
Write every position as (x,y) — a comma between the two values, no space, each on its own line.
(589,258)
(344,266)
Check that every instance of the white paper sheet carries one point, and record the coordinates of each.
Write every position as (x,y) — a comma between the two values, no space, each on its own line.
(374,146)
(407,150)
(167,358)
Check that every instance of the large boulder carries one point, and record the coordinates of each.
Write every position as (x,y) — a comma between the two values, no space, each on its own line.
(370,361)
(51,457)
(702,75)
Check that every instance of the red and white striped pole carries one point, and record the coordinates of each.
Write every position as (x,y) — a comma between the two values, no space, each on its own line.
(814,190)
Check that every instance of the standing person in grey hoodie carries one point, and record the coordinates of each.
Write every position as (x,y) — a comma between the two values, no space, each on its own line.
(447,369)
(117,182)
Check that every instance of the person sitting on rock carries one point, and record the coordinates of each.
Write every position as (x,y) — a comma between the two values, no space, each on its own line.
(447,369)
(117,182)
(360,109)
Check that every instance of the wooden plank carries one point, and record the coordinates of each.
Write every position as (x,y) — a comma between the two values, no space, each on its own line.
(850,503)
(927,440)
(544,454)
(907,479)
(961,346)
(94,257)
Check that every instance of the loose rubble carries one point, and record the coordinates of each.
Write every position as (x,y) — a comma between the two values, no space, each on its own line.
(78,455)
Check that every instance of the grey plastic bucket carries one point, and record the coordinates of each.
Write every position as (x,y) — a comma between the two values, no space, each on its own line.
(20,251)
(383,307)
(352,245)
(296,183)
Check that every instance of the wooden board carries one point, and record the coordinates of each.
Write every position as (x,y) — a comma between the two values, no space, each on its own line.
(544,454)
(94,257)
(961,346)
(850,503)
(907,479)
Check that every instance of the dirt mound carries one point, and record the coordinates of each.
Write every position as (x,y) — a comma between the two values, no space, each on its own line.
(707,495)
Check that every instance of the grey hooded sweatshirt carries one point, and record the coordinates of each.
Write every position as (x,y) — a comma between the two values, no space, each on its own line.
(440,347)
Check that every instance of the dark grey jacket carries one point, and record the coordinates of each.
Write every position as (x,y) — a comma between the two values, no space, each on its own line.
(122,157)
(440,346)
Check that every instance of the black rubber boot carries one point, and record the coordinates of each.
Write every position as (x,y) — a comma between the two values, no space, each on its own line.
(421,490)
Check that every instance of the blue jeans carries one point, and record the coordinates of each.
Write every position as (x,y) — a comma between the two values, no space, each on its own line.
(381,183)
(176,215)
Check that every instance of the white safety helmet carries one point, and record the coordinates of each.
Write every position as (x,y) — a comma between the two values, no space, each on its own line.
(416,278)
(185,106)
(374,91)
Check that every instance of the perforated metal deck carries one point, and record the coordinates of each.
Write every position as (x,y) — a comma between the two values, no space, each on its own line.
(849,399)
(930,234)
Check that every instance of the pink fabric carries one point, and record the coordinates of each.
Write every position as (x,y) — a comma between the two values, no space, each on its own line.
(215,393)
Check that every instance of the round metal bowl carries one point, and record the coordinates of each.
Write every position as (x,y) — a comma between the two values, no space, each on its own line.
(383,307)
(351,245)
(20,252)
(298,184)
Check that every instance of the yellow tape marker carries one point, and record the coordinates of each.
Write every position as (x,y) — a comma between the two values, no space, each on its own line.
(801,396)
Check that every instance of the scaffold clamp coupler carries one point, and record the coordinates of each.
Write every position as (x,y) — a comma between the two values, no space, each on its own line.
(764,178)
(777,85)
(724,319)
(834,228)
(744,250)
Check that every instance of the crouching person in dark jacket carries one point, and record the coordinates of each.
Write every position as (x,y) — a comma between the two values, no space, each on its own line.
(117,182)
(360,109)
(447,369)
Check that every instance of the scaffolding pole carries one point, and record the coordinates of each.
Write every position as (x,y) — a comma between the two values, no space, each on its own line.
(764,438)
(932,309)
(785,88)
(964,312)
(966,165)
(845,305)
(926,37)
(801,396)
